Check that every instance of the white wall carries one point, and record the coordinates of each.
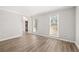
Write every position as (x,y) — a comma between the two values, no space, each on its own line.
(42,25)
(66,21)
(77,25)
(10,24)
(67,24)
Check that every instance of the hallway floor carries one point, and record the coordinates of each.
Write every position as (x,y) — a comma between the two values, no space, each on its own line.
(35,43)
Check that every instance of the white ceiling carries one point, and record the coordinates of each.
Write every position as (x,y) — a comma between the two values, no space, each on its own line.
(31,10)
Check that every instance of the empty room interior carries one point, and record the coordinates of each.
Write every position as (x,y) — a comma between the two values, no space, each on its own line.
(39,28)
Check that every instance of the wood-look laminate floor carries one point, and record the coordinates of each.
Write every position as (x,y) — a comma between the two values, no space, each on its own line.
(35,43)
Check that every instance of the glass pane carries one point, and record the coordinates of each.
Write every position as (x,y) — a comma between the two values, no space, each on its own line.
(53,26)
(34,25)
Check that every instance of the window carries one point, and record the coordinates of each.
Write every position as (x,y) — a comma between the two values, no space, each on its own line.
(54,25)
(34,25)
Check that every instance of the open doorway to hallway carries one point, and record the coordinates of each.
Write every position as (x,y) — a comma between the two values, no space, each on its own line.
(25,20)
(26,26)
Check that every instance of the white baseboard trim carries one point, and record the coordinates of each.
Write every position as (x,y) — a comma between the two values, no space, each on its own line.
(8,38)
(77,45)
(58,38)
(40,35)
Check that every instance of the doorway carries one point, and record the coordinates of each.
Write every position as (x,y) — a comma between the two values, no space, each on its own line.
(26,26)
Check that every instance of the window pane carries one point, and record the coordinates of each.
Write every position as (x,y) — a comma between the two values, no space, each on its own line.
(53,26)
(34,25)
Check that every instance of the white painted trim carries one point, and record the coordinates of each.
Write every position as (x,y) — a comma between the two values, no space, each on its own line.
(40,34)
(58,38)
(8,38)
(77,44)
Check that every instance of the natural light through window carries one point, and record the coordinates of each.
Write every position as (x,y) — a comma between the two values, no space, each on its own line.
(34,25)
(53,25)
